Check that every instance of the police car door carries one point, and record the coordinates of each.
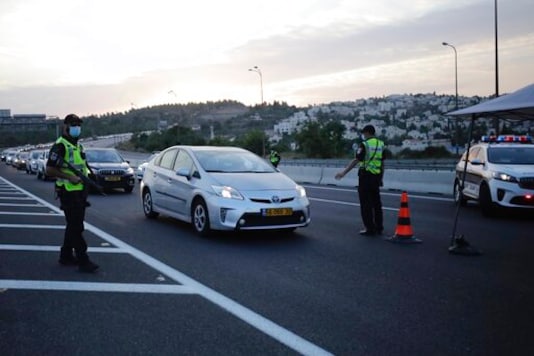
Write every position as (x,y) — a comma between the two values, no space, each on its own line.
(475,166)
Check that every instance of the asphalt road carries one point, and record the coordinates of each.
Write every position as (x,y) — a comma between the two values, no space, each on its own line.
(162,290)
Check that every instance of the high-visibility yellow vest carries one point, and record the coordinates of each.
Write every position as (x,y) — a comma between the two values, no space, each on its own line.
(73,155)
(374,148)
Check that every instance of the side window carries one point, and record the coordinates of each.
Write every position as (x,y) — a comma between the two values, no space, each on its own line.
(183,161)
(167,159)
(473,153)
(481,155)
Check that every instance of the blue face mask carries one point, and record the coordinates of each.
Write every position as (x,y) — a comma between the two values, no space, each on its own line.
(75,131)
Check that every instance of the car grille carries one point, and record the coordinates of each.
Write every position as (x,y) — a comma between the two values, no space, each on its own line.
(111,172)
(268,201)
(526,183)
(256,219)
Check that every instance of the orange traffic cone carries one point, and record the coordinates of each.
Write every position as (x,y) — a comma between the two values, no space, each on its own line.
(403,231)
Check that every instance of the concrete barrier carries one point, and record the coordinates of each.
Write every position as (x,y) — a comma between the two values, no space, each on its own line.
(421,181)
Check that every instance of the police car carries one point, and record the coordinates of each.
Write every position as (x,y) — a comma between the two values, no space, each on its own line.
(499,173)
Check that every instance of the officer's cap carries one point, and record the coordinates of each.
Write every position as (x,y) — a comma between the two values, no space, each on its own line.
(71,119)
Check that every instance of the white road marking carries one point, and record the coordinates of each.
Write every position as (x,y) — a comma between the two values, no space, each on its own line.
(23,205)
(346,203)
(96,287)
(252,318)
(48,248)
(32,226)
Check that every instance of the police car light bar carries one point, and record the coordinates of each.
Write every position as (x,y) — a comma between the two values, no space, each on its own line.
(507,138)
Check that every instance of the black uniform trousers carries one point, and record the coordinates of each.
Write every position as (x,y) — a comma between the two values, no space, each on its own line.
(370,203)
(73,205)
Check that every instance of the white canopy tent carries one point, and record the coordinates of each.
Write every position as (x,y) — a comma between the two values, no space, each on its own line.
(517,106)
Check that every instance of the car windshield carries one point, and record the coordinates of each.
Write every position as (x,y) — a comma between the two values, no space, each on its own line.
(103,156)
(511,155)
(232,162)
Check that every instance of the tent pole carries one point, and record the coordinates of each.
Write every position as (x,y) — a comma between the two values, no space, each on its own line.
(459,245)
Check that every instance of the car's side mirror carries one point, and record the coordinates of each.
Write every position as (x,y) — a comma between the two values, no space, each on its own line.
(477,162)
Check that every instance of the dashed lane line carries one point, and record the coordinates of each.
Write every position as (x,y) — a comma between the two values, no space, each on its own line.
(268,327)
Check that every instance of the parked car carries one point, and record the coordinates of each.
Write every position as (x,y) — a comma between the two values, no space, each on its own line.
(141,168)
(222,188)
(31,163)
(110,169)
(19,161)
(499,172)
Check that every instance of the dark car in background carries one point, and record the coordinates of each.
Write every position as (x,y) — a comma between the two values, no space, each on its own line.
(110,169)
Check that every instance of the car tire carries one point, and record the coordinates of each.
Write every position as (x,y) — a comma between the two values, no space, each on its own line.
(487,206)
(147,205)
(200,218)
(459,198)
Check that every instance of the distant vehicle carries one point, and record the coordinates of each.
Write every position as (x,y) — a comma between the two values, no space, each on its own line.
(141,168)
(19,161)
(9,157)
(31,163)
(41,165)
(3,156)
(110,169)
(499,173)
(222,188)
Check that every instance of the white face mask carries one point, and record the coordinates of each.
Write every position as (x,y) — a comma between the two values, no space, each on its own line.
(75,131)
(362,136)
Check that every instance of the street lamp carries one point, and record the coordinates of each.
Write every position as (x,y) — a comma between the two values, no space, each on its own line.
(455,69)
(258,70)
(456,87)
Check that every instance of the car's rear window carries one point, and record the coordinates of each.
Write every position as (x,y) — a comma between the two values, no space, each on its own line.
(511,155)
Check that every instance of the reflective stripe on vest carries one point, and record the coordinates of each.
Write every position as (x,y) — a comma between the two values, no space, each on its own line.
(74,157)
(373,155)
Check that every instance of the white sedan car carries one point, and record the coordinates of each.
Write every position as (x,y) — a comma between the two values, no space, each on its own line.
(222,188)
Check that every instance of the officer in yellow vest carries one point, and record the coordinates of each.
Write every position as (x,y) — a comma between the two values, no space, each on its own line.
(369,159)
(71,192)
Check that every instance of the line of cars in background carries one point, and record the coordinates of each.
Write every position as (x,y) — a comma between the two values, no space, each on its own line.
(111,170)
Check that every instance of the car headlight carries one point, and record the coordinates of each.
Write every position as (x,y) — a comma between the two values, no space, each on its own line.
(301,192)
(504,177)
(227,192)
(130,170)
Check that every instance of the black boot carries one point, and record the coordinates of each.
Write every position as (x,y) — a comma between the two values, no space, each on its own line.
(67,258)
(85,265)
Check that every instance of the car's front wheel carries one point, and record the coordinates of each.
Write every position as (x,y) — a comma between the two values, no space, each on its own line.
(147,205)
(486,204)
(200,217)
(459,198)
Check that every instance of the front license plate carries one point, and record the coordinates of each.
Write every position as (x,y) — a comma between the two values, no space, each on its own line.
(112,178)
(277,212)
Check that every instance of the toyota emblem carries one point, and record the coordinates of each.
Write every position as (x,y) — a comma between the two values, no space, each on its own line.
(275,199)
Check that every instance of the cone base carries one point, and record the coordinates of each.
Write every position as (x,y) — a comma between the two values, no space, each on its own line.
(404,240)
(462,247)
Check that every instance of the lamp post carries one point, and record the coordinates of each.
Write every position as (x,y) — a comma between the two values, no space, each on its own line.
(455,70)
(258,70)
(456,87)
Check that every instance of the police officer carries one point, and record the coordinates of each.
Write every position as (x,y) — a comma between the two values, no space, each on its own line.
(71,192)
(274,157)
(369,158)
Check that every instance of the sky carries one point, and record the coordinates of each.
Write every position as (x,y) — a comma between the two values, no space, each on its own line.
(93,57)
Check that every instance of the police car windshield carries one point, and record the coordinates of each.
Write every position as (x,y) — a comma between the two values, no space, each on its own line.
(511,155)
